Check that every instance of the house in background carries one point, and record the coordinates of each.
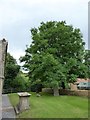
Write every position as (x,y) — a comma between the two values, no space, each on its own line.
(73,86)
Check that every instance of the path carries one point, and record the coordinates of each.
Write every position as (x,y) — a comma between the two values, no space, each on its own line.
(7,109)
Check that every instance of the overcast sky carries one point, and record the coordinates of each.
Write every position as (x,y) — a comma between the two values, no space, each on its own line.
(17,17)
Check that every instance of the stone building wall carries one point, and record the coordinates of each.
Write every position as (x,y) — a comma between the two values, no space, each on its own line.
(73,86)
(3,49)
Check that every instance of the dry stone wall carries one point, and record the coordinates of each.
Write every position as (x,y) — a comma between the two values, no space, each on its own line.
(83,93)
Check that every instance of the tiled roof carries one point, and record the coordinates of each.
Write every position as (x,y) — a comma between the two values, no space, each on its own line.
(82,80)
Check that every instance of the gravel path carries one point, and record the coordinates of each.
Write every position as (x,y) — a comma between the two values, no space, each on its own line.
(7,109)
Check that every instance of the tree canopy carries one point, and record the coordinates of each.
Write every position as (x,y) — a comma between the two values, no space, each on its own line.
(87,61)
(11,71)
(55,55)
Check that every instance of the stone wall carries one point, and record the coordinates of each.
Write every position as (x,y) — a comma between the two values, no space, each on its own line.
(83,93)
(3,49)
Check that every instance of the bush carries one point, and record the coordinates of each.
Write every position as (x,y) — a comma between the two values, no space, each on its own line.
(19,84)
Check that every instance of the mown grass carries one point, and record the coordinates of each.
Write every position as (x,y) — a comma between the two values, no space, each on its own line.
(48,106)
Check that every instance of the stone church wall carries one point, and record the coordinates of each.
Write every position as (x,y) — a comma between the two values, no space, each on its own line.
(3,49)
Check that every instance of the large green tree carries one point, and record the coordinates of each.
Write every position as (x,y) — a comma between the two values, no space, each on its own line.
(87,61)
(55,55)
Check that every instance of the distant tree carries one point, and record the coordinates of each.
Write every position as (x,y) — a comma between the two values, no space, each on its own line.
(55,55)
(11,71)
(21,82)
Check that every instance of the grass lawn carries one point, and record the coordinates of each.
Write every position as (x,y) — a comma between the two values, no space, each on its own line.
(48,106)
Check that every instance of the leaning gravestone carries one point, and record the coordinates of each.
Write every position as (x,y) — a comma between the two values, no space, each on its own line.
(3,50)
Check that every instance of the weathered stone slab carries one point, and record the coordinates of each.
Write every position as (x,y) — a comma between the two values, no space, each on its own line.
(23,102)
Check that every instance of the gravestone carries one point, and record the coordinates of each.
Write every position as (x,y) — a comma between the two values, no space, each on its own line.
(23,102)
(3,50)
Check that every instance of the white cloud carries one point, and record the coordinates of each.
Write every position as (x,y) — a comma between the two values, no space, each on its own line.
(18,16)
(12,11)
(17,54)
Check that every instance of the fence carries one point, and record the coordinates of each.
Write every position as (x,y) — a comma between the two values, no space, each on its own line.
(15,90)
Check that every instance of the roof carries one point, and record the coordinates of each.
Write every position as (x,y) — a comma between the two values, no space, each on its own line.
(82,80)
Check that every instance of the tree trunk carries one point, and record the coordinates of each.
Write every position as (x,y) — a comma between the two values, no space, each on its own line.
(56,91)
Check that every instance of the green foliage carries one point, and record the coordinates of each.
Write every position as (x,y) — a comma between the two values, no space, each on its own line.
(21,83)
(14,79)
(87,61)
(55,55)
(76,69)
(11,71)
